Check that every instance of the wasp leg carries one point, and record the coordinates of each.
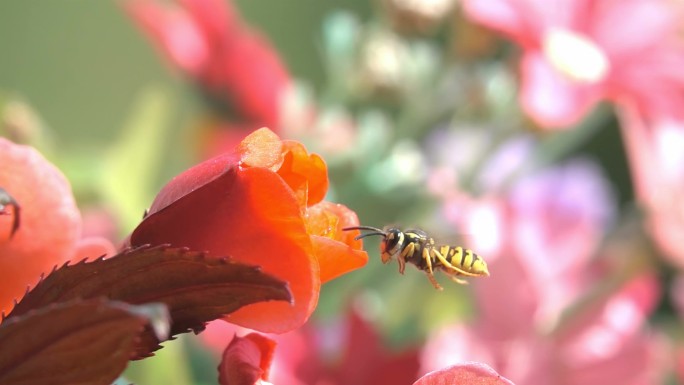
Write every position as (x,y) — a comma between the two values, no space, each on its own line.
(408,250)
(433,281)
(448,265)
(458,280)
(430,274)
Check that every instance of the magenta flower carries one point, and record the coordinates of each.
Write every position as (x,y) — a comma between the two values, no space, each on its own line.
(576,53)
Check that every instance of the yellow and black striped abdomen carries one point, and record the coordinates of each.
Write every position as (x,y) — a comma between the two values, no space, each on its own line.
(464,259)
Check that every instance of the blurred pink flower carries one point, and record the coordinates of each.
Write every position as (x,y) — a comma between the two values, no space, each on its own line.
(655,146)
(579,52)
(545,229)
(679,368)
(538,241)
(464,373)
(50,227)
(475,155)
(602,346)
(233,64)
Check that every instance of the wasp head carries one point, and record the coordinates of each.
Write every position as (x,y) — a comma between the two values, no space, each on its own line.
(392,244)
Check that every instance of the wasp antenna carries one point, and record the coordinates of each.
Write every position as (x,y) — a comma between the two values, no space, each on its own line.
(364,228)
(368,235)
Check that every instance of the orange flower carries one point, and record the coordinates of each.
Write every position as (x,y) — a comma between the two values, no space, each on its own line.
(262,205)
(50,223)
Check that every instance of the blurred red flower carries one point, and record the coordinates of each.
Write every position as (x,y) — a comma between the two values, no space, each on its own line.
(262,205)
(577,53)
(346,352)
(235,66)
(247,360)
(50,223)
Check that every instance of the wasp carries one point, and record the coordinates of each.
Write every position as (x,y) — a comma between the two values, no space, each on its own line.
(417,248)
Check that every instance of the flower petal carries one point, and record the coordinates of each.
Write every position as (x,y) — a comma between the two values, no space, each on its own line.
(551,99)
(251,215)
(173,31)
(336,258)
(337,250)
(92,248)
(468,373)
(246,360)
(50,220)
(306,174)
(262,148)
(216,19)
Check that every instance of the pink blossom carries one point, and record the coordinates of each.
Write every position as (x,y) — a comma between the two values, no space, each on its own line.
(605,346)
(655,146)
(538,240)
(579,52)
(546,230)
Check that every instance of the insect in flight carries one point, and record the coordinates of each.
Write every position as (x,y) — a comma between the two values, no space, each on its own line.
(417,248)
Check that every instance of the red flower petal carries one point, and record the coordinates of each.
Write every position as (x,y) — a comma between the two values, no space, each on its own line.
(249,75)
(252,216)
(336,250)
(174,32)
(306,174)
(465,374)
(262,148)
(216,19)
(50,221)
(246,360)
